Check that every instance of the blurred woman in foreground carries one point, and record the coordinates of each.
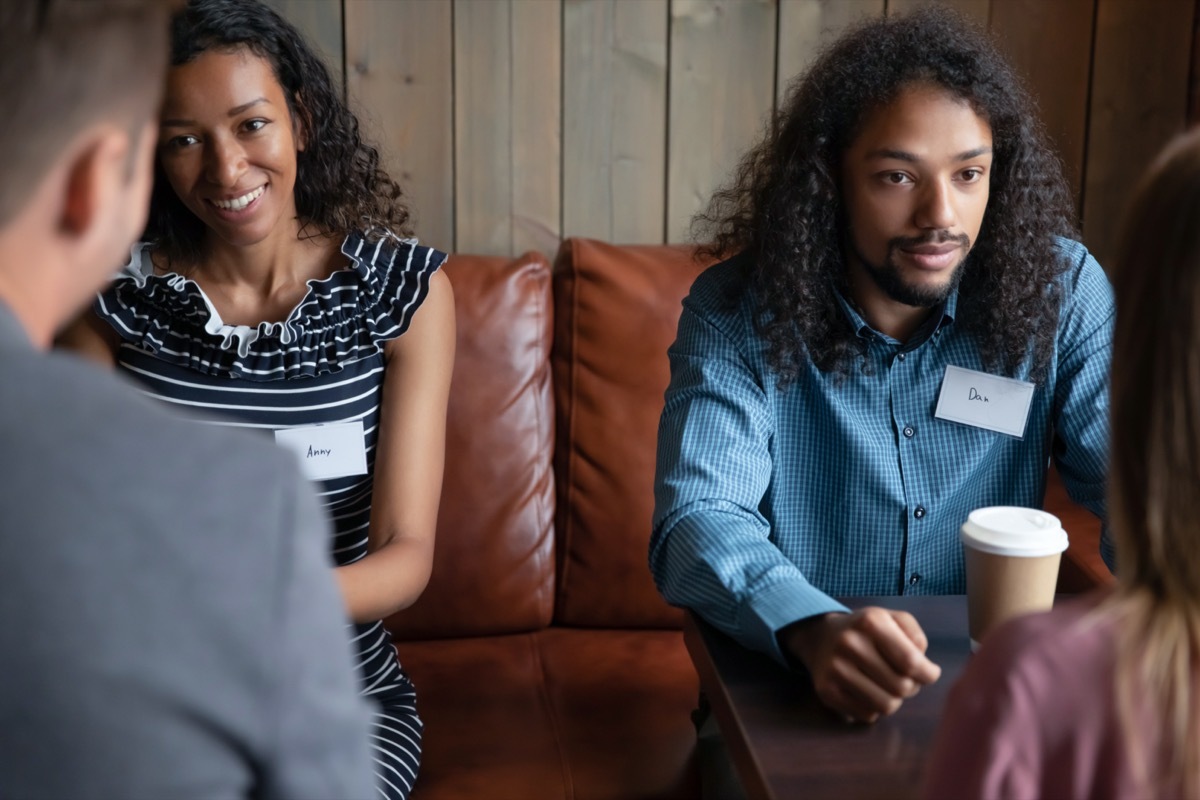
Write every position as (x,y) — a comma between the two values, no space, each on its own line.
(1101,696)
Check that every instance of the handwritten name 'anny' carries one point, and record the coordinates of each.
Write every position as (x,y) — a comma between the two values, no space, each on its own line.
(317,452)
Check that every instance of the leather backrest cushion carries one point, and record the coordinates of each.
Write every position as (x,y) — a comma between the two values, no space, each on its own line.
(616,313)
(493,569)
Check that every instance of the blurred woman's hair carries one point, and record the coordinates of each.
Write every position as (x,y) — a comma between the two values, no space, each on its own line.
(340,185)
(1154,478)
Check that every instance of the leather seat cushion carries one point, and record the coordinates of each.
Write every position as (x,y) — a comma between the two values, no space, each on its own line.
(488,728)
(563,713)
(623,700)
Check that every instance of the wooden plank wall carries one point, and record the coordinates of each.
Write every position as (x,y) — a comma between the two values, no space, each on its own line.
(721,87)
(400,77)
(1139,100)
(514,123)
(614,124)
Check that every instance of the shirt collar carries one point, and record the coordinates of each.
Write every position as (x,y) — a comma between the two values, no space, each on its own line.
(942,316)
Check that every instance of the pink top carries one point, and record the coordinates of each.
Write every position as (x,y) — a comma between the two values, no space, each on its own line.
(1034,715)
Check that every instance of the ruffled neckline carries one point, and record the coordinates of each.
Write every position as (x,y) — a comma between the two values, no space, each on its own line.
(346,316)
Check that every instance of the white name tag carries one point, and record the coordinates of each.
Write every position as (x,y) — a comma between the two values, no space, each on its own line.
(336,450)
(985,401)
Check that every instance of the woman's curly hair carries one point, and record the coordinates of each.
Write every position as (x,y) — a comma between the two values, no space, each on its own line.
(339,183)
(784,210)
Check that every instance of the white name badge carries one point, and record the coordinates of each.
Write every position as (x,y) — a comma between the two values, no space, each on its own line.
(336,450)
(985,401)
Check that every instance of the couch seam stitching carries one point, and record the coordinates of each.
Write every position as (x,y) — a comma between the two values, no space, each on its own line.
(569,465)
(548,375)
(552,713)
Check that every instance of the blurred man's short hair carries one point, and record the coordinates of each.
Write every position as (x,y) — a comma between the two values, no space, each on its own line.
(65,64)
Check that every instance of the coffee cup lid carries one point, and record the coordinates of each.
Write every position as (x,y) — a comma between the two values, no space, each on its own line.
(1014,531)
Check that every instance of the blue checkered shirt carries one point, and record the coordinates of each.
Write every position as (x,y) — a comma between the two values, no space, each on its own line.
(769,501)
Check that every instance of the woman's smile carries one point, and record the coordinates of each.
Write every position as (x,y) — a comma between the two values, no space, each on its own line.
(240,202)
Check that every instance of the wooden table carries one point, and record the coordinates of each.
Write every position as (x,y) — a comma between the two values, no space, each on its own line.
(785,744)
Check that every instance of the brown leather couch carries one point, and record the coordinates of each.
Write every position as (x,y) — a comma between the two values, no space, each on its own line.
(546,664)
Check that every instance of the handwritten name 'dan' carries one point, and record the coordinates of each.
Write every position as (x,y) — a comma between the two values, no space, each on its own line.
(316,452)
(974,395)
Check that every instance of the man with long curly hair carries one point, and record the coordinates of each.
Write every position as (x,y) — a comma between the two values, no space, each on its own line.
(904,329)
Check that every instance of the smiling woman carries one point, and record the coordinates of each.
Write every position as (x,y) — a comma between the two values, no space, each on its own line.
(275,293)
(228,148)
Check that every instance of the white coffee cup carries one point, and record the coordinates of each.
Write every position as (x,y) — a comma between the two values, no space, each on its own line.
(1012,557)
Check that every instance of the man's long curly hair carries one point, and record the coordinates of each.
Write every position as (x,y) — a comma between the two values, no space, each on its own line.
(784,208)
(340,185)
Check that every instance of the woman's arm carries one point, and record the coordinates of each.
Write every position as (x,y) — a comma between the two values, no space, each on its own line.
(408,463)
(90,337)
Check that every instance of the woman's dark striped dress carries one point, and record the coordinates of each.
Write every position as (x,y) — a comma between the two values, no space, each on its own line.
(324,364)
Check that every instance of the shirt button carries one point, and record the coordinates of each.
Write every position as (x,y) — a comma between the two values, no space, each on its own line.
(909,430)
(919,512)
(900,356)
(915,579)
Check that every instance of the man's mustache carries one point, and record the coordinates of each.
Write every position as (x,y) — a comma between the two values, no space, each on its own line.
(933,237)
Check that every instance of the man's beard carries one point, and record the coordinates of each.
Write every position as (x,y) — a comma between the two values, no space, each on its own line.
(887,275)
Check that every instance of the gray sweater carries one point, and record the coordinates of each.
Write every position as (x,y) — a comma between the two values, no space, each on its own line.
(169,622)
